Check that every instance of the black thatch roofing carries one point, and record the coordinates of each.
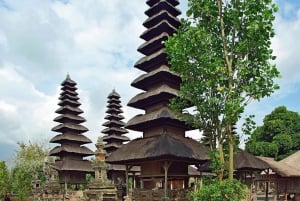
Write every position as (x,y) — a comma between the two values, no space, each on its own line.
(114,94)
(153,2)
(242,161)
(79,150)
(162,147)
(160,117)
(74,165)
(81,139)
(161,74)
(160,94)
(246,161)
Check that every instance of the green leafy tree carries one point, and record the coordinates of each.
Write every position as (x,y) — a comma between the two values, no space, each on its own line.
(4,179)
(222,53)
(228,190)
(278,137)
(28,161)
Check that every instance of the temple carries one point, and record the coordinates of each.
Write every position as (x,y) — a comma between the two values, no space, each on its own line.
(163,153)
(71,166)
(113,134)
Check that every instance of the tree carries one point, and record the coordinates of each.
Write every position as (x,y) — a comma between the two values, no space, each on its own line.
(29,160)
(222,53)
(278,137)
(4,179)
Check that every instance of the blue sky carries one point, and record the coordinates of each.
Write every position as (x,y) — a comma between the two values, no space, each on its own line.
(95,41)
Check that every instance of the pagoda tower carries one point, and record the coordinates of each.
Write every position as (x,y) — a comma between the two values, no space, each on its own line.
(115,126)
(70,163)
(163,152)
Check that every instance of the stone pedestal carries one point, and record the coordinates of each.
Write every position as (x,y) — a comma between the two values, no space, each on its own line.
(101,189)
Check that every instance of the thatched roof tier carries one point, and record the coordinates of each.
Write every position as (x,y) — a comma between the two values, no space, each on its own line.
(114,105)
(113,94)
(114,136)
(78,150)
(114,110)
(161,117)
(162,94)
(158,17)
(114,116)
(69,118)
(74,165)
(69,109)
(161,147)
(162,74)
(68,81)
(152,62)
(69,92)
(113,122)
(114,130)
(163,26)
(162,5)
(70,127)
(246,161)
(69,137)
(112,146)
(113,101)
(70,102)
(153,45)
(153,2)
(69,88)
(67,95)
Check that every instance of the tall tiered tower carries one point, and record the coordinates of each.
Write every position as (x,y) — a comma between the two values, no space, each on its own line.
(114,133)
(164,150)
(159,84)
(70,164)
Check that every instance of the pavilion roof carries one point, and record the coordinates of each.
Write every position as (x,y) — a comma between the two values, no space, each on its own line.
(288,167)
(162,147)
(246,161)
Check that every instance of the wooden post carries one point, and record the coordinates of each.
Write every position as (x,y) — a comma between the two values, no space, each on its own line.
(166,166)
(267,186)
(127,180)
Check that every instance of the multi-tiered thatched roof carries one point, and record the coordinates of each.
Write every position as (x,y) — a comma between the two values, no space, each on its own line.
(70,163)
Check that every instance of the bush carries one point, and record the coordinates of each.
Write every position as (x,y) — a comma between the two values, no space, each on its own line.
(226,190)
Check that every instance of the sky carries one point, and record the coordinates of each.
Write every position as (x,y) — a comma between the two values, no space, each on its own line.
(95,42)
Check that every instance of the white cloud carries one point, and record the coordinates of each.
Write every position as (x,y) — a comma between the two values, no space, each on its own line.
(95,41)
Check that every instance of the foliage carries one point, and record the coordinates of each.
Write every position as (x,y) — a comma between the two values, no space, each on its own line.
(4,179)
(227,190)
(222,53)
(29,160)
(22,178)
(278,137)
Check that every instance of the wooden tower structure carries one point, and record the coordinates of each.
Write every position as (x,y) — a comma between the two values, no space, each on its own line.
(114,133)
(70,163)
(163,153)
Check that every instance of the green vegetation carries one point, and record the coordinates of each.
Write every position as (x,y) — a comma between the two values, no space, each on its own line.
(4,179)
(278,137)
(222,53)
(28,160)
(228,190)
